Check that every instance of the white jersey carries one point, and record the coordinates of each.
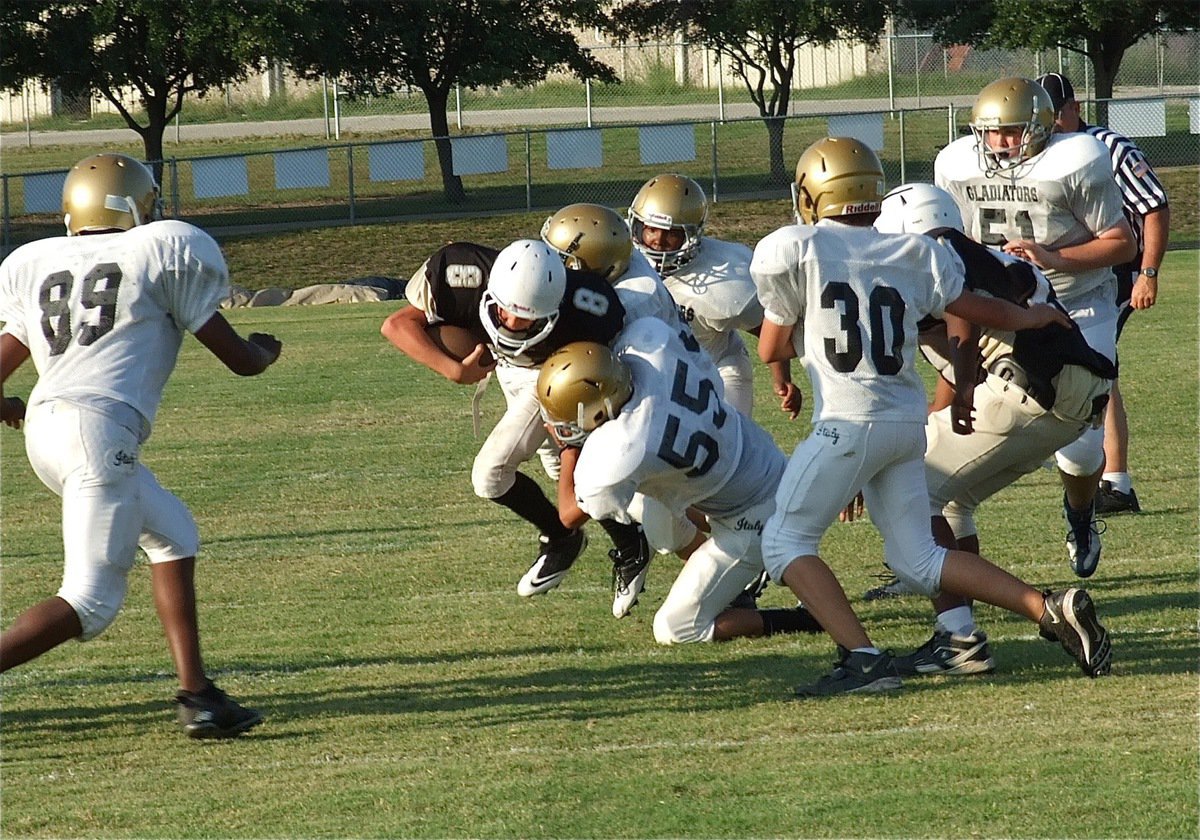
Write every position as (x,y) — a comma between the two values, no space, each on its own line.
(1066,195)
(676,440)
(642,293)
(716,295)
(855,297)
(103,315)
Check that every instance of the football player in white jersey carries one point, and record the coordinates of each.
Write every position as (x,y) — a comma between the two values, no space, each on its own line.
(847,300)
(1040,389)
(523,303)
(1050,199)
(647,418)
(102,312)
(709,280)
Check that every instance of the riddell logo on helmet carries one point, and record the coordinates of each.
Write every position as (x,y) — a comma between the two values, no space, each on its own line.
(861,207)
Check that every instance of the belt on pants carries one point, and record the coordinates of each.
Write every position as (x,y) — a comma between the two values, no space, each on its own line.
(1008,369)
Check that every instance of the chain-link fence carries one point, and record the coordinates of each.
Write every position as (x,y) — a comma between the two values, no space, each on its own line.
(903,70)
(548,168)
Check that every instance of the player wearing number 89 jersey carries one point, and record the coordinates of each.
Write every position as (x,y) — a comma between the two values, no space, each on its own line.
(102,312)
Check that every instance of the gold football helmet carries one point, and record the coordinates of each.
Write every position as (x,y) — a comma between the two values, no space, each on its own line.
(109,192)
(837,176)
(590,237)
(1008,103)
(670,202)
(582,385)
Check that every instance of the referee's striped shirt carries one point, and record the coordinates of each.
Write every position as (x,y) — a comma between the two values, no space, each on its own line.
(1135,176)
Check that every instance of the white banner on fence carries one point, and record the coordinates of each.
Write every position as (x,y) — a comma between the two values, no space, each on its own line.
(43,193)
(217,177)
(1139,118)
(865,127)
(479,155)
(580,149)
(305,168)
(397,161)
(666,143)
(1194,116)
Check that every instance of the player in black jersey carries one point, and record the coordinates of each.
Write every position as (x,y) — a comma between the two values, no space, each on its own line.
(523,304)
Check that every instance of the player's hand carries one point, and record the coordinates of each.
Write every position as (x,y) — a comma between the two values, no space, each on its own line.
(962,412)
(12,412)
(267,342)
(854,510)
(1046,314)
(476,366)
(791,400)
(1145,292)
(1030,251)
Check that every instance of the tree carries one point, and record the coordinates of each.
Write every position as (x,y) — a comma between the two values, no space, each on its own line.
(437,44)
(160,49)
(1101,30)
(759,38)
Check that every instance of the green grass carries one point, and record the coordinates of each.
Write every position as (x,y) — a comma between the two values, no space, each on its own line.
(354,589)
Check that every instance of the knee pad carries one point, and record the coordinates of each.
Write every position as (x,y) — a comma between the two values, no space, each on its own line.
(96,601)
(490,480)
(961,519)
(551,463)
(669,632)
(1084,456)
(923,573)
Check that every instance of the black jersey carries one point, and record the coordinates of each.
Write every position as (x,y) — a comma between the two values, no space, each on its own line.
(457,274)
(1041,352)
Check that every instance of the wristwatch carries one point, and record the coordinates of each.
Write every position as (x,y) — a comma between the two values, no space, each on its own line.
(1152,273)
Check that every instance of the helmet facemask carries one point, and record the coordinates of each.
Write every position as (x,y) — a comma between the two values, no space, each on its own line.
(580,387)
(1015,104)
(669,202)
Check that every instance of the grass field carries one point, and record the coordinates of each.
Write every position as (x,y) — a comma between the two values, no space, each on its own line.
(354,590)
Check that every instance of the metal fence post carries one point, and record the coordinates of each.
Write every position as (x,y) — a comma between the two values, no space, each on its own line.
(337,113)
(458,105)
(587,90)
(950,120)
(713,134)
(528,172)
(325,103)
(173,163)
(7,230)
(903,156)
(350,178)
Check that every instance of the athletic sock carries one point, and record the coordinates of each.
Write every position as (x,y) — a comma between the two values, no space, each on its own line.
(526,499)
(626,537)
(958,620)
(793,620)
(1120,481)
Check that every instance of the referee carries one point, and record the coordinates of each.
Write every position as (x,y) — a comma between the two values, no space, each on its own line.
(1137,281)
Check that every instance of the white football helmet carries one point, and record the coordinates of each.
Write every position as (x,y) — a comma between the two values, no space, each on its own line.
(918,208)
(670,202)
(528,280)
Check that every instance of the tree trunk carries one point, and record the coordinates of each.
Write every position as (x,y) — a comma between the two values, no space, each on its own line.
(1106,60)
(451,183)
(779,168)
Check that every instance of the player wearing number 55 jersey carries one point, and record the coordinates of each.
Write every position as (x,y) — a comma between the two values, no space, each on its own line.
(647,419)
(846,299)
(102,312)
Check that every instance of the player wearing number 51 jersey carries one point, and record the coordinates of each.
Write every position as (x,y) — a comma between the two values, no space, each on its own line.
(102,312)
(847,299)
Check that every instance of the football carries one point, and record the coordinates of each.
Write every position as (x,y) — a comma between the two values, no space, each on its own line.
(456,342)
